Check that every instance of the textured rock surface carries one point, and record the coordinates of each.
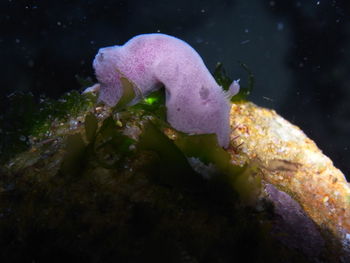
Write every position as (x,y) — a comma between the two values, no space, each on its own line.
(292,226)
(290,161)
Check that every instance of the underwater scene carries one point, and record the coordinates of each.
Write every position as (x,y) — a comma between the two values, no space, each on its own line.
(175,131)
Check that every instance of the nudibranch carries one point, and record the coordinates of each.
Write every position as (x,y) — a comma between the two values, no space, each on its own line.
(195,103)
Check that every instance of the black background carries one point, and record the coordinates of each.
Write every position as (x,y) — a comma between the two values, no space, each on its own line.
(299,51)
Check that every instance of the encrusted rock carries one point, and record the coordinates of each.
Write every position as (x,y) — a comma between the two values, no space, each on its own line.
(292,226)
(293,163)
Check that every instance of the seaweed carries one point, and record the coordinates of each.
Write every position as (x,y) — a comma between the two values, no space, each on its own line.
(27,117)
(225,81)
(153,103)
(172,167)
(128,94)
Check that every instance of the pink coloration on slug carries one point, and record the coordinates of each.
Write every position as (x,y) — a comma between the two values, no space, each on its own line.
(195,102)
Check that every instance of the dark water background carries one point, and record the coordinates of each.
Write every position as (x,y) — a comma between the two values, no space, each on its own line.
(299,51)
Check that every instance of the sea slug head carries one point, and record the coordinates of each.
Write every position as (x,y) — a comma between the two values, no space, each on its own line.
(107,74)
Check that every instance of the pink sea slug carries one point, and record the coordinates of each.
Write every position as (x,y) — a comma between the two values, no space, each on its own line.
(195,102)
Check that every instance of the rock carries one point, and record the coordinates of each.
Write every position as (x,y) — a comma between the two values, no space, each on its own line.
(291,162)
(121,184)
(292,226)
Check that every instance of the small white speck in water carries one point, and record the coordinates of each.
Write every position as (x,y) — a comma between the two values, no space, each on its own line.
(347,237)
(132,147)
(73,124)
(280,26)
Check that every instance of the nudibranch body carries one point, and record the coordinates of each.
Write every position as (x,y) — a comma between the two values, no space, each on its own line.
(195,102)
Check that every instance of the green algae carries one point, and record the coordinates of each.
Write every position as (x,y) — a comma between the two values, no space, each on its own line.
(27,117)
(206,148)
(171,167)
(225,81)
(153,104)
(128,94)
(91,126)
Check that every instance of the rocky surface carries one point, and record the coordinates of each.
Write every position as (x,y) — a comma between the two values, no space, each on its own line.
(292,163)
